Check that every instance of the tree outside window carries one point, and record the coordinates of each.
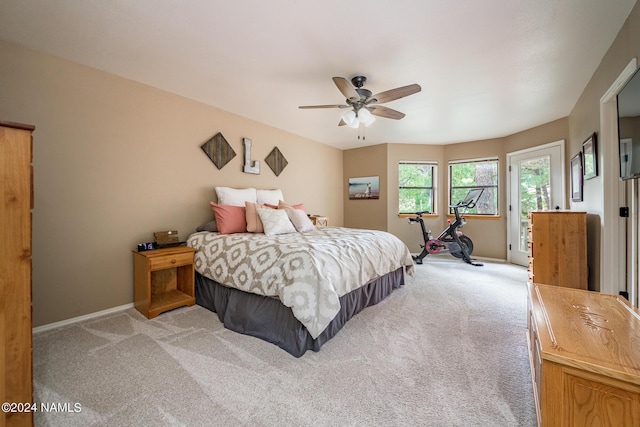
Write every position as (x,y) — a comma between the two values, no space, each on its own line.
(464,176)
(415,188)
(535,185)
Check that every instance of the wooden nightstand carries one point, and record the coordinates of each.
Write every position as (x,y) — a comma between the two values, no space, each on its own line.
(320,221)
(163,280)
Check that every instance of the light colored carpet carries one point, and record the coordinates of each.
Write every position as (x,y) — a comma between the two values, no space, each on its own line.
(447,349)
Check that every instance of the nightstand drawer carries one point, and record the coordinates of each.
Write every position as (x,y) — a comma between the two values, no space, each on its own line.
(170,260)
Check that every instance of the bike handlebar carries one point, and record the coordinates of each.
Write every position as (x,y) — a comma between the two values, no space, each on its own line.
(461,204)
(470,200)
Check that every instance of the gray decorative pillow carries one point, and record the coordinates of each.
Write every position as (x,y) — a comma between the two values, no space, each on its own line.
(275,221)
(208,226)
(300,220)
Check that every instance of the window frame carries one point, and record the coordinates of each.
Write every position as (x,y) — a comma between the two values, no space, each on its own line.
(434,167)
(496,185)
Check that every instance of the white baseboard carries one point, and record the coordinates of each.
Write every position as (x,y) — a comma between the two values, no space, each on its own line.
(73,320)
(483,258)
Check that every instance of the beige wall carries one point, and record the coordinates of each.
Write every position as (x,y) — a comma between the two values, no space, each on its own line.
(488,234)
(584,120)
(359,162)
(116,160)
(556,130)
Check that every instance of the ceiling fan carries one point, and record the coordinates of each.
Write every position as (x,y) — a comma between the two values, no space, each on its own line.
(363,105)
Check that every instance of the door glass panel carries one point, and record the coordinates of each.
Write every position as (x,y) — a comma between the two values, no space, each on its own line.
(535,188)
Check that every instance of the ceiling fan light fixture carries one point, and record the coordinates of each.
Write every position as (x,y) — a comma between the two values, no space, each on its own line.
(350,118)
(365,117)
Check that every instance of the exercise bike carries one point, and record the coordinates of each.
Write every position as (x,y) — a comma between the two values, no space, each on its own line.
(451,239)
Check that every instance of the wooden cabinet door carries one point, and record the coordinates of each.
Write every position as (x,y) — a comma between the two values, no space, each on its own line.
(15,272)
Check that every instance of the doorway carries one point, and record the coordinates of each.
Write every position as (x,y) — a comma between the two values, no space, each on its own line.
(535,183)
(612,255)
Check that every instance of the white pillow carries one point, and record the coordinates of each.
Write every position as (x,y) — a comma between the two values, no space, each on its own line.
(235,196)
(275,221)
(271,197)
(300,220)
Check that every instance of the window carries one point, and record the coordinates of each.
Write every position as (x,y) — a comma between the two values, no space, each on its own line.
(415,187)
(464,176)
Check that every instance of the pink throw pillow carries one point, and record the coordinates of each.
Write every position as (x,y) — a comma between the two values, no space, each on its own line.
(230,219)
(254,224)
(284,205)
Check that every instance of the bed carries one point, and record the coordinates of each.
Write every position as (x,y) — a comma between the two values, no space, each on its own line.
(296,290)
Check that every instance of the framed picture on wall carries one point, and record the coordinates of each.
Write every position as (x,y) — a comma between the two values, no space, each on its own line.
(576,178)
(366,187)
(590,157)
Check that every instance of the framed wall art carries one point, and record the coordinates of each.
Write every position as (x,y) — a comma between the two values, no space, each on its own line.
(366,187)
(218,150)
(590,157)
(576,178)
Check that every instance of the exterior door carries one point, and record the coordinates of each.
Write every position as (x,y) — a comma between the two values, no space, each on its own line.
(536,182)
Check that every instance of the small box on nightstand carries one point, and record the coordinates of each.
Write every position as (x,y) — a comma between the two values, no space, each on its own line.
(319,221)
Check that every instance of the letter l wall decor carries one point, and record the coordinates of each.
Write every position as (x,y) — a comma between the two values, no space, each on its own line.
(248,167)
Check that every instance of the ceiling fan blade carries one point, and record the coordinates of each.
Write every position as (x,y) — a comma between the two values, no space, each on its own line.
(342,123)
(393,94)
(380,111)
(324,106)
(346,88)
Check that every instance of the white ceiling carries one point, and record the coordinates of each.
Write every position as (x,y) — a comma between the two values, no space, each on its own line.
(487,68)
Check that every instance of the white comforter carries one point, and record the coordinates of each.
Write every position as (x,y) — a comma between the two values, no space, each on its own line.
(306,271)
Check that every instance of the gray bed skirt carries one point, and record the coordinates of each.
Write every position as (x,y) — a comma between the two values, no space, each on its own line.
(268,319)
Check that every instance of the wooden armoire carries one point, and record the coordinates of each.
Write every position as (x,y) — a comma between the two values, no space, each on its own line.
(16,189)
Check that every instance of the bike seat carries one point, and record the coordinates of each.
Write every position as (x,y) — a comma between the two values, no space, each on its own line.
(419,214)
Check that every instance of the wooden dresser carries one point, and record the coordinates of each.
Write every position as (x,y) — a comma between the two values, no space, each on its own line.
(16,174)
(558,248)
(584,349)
